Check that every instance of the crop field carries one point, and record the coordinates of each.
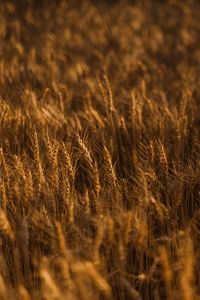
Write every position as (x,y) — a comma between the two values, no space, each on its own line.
(99,150)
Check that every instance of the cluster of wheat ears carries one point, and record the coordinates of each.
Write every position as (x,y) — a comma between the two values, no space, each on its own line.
(99,150)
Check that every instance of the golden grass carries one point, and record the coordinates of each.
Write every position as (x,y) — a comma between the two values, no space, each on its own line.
(99,150)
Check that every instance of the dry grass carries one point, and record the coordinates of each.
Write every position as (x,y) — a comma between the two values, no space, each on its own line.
(99,150)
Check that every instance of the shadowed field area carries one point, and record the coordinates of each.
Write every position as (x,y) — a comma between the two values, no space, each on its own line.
(99,150)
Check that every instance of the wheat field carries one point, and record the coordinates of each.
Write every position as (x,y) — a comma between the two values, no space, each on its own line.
(99,150)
